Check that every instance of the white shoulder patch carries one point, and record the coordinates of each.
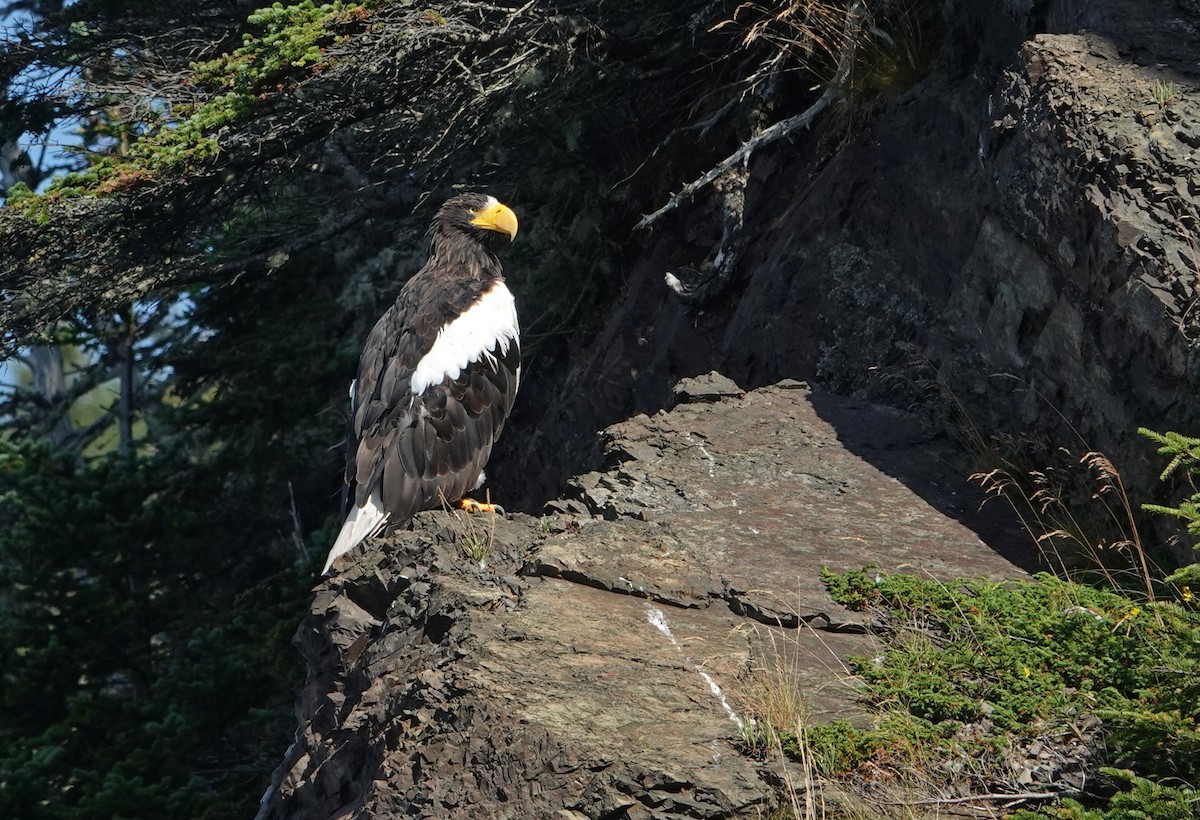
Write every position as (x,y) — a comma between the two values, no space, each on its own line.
(489,323)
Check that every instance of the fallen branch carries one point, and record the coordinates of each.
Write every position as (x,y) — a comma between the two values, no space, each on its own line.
(976,798)
(853,23)
(765,137)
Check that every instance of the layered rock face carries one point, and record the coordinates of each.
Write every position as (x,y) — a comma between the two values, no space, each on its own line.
(1024,222)
(593,662)
(1083,277)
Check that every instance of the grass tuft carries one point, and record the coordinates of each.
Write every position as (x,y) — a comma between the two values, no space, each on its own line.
(475,533)
(1164,94)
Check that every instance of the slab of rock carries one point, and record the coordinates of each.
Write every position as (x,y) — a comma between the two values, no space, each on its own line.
(595,663)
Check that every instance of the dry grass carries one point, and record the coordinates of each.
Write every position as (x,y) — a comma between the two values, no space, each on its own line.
(773,703)
(1104,536)
(881,46)
(1079,512)
(1076,509)
(774,700)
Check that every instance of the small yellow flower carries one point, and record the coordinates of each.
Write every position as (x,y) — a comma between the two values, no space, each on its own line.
(1129,616)
(1187,593)
(1025,671)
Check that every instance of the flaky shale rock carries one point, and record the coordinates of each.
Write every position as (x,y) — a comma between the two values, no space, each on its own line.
(595,662)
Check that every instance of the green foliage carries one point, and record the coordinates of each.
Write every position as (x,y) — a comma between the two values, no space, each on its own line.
(18,193)
(1184,452)
(33,206)
(972,667)
(1164,94)
(1139,799)
(839,746)
(291,40)
(105,175)
(191,140)
(475,533)
(1186,581)
(129,668)
(145,660)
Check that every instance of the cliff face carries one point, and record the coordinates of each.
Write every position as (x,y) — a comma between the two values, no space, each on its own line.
(1024,220)
(594,662)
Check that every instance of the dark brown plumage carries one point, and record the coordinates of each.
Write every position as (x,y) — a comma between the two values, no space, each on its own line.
(436,379)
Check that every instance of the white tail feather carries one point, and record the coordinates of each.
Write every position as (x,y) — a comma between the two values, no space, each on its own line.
(362,522)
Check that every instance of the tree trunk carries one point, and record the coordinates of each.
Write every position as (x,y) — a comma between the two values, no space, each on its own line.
(126,373)
(50,385)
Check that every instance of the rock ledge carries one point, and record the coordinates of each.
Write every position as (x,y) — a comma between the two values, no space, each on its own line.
(522,686)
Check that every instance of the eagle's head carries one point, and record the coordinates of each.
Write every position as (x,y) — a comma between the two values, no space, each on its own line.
(476,215)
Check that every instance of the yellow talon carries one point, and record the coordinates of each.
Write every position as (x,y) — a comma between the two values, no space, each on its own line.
(472,506)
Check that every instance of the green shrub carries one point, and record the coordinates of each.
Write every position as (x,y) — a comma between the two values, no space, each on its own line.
(974,667)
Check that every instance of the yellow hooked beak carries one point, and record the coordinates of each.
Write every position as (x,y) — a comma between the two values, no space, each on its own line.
(496,216)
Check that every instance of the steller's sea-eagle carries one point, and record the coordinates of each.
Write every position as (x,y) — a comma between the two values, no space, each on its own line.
(436,379)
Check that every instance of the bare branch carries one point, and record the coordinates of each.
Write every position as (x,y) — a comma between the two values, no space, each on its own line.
(979,798)
(171,217)
(852,24)
(765,137)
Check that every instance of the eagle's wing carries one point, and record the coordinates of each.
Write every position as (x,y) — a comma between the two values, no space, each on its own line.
(426,415)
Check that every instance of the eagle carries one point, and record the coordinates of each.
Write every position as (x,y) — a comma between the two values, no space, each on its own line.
(436,378)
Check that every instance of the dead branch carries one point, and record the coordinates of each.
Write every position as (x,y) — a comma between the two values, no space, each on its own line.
(739,157)
(979,798)
(784,128)
(155,231)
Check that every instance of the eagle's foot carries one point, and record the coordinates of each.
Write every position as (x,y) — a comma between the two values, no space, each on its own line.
(472,506)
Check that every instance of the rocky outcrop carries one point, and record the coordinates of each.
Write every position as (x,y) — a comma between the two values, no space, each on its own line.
(1023,221)
(1083,277)
(592,662)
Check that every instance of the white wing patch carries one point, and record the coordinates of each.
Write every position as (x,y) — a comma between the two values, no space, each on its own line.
(490,322)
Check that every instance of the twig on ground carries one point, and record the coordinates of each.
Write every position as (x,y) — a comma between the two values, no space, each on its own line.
(1018,797)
